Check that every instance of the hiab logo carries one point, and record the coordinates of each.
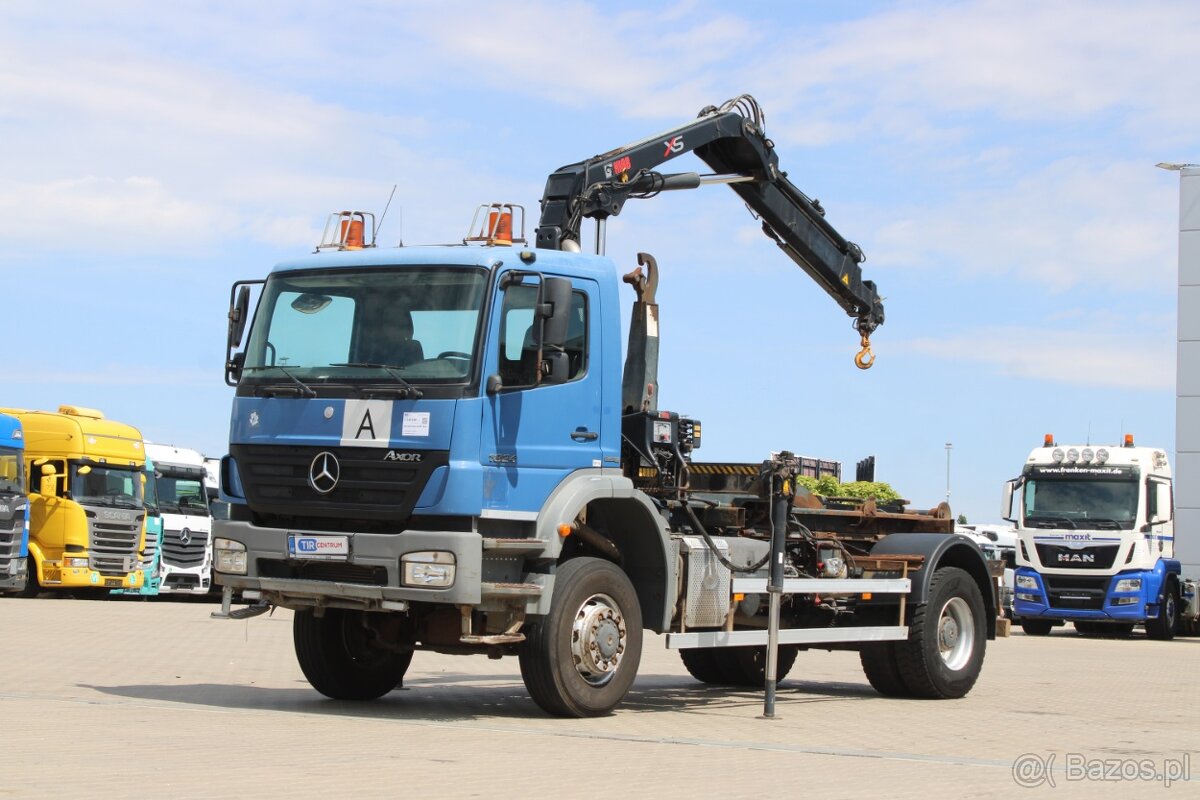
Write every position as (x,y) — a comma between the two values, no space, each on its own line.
(674,145)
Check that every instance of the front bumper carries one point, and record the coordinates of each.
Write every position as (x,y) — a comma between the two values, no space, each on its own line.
(1114,607)
(55,576)
(180,580)
(12,575)
(368,576)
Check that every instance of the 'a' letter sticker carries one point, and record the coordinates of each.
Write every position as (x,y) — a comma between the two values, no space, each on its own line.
(367,423)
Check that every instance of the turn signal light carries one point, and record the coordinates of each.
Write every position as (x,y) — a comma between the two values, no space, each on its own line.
(564,530)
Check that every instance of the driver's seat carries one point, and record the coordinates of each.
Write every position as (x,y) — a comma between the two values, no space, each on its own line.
(393,343)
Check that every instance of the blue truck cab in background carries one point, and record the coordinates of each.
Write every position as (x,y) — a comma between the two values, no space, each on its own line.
(14,507)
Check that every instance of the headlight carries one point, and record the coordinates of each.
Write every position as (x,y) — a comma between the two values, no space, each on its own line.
(1057,455)
(431,569)
(229,556)
(1101,456)
(77,562)
(1072,455)
(1128,585)
(1087,455)
(1026,582)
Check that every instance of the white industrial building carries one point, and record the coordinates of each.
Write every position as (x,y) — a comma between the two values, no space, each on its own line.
(1187,376)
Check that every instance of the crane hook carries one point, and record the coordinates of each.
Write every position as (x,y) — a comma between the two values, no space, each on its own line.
(865,357)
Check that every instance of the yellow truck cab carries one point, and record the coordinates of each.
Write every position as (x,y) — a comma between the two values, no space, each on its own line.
(86,508)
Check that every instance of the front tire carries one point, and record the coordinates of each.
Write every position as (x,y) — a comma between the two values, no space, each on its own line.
(1164,625)
(947,637)
(1036,627)
(342,657)
(32,588)
(581,658)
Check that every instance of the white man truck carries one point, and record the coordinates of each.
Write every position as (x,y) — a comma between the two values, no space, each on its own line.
(1096,541)
(185,565)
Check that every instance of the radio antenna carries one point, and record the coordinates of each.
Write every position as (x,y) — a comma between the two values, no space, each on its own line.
(385,210)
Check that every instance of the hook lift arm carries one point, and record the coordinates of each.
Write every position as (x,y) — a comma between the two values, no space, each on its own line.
(732,141)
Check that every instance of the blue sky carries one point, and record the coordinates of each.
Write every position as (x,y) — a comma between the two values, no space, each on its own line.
(993,159)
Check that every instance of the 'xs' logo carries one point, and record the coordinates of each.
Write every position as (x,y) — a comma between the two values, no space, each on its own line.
(674,145)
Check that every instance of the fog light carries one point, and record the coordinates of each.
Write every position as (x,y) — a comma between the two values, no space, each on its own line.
(1125,601)
(76,562)
(1029,598)
(1128,585)
(1026,582)
(431,569)
(229,556)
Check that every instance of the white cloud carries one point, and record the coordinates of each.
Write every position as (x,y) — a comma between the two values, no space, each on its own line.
(1072,224)
(1105,358)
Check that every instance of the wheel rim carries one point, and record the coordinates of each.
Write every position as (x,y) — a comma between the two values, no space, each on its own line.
(598,639)
(1169,609)
(956,633)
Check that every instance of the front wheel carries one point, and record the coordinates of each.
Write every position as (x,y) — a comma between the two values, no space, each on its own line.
(581,658)
(947,636)
(1036,627)
(1163,626)
(343,657)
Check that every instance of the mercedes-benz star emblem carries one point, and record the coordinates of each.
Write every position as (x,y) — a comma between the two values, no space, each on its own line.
(185,537)
(323,473)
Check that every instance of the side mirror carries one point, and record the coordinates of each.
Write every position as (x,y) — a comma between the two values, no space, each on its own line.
(555,310)
(233,369)
(1159,501)
(238,311)
(48,486)
(1006,501)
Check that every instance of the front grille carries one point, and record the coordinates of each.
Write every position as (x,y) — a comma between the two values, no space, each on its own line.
(334,572)
(11,532)
(150,549)
(1076,592)
(114,546)
(176,553)
(369,486)
(1059,557)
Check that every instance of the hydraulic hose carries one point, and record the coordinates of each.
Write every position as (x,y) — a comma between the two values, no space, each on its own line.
(708,540)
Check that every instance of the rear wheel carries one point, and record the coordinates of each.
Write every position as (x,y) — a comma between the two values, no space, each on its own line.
(581,658)
(1036,627)
(947,636)
(342,656)
(736,666)
(879,665)
(1163,626)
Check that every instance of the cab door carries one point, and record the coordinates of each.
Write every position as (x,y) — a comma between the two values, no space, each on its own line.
(534,435)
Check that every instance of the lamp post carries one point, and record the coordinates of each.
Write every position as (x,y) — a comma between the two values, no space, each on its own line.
(949,447)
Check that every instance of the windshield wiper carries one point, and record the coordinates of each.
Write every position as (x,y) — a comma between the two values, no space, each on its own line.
(1106,524)
(411,390)
(1050,522)
(305,389)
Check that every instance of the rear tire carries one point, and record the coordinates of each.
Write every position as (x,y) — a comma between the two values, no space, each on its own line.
(879,665)
(341,657)
(947,637)
(701,664)
(737,666)
(1036,627)
(581,658)
(1164,625)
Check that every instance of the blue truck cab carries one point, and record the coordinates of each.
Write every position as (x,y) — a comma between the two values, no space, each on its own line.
(14,506)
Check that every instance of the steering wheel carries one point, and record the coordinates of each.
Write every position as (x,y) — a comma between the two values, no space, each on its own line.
(455,354)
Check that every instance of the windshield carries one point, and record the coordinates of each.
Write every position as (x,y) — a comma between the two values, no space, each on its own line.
(106,486)
(181,493)
(1092,503)
(150,492)
(377,325)
(12,473)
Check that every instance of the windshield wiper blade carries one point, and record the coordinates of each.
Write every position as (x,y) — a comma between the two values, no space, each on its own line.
(305,389)
(413,391)
(1051,522)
